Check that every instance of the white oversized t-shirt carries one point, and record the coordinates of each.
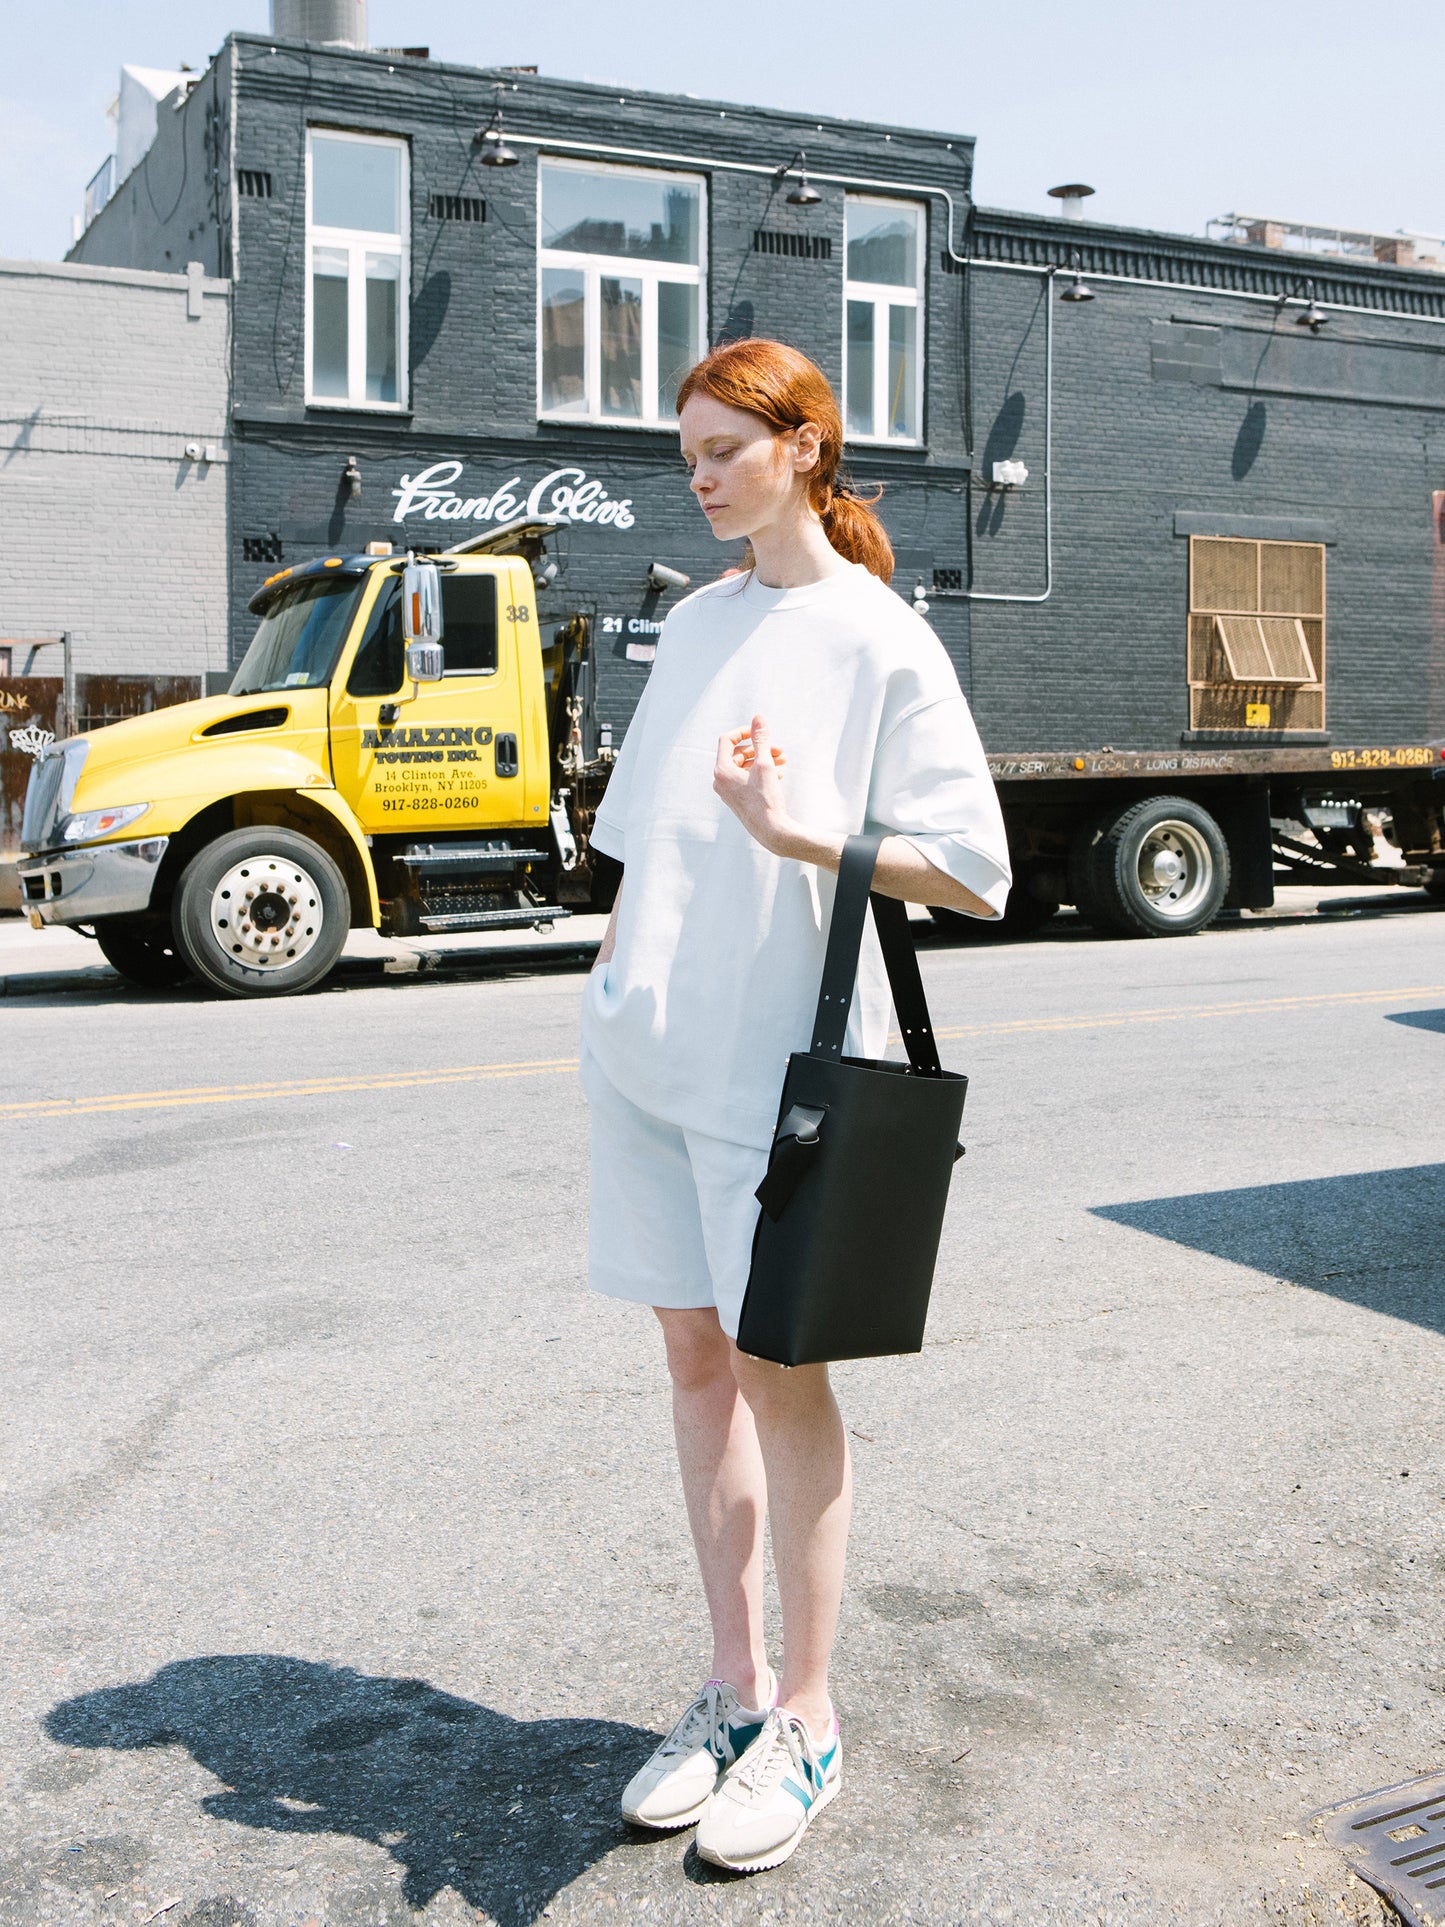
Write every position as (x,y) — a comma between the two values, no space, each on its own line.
(714,978)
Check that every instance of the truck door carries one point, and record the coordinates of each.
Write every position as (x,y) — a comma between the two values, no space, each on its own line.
(446,759)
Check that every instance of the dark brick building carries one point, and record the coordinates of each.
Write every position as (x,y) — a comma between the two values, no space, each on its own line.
(1245,469)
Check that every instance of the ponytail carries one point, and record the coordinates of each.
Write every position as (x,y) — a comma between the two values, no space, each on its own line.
(855,531)
(771,380)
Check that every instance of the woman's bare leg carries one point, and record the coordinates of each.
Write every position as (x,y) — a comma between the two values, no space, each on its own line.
(810,1501)
(726,1493)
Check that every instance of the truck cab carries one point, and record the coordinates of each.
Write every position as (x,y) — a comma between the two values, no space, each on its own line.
(344,780)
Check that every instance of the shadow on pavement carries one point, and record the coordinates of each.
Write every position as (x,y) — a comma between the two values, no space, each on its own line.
(505,1811)
(1373,1238)
(1418,1019)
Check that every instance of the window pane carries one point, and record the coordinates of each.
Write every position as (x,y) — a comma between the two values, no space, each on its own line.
(902,372)
(632,213)
(380,661)
(355,184)
(300,636)
(469,624)
(677,339)
(858,368)
(564,386)
(621,347)
(328,322)
(883,243)
(383,285)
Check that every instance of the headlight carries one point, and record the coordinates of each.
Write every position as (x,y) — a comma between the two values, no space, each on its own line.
(93,823)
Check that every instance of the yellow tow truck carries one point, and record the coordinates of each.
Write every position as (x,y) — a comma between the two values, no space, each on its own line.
(401,749)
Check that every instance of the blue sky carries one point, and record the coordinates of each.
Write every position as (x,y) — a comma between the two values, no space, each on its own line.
(1323,112)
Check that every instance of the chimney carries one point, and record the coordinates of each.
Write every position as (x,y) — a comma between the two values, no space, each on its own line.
(1071,197)
(1396,253)
(325,23)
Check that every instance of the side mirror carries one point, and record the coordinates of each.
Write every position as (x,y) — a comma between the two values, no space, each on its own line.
(421,609)
(425,661)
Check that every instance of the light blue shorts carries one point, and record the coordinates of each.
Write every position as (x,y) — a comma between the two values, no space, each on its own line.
(672,1211)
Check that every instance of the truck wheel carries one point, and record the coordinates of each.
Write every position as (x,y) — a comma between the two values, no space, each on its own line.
(261,913)
(1160,868)
(143,950)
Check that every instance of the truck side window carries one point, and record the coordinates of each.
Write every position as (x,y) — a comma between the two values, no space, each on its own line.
(469,624)
(380,661)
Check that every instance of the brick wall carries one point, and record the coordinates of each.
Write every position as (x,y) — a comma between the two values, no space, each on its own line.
(1180,408)
(1175,396)
(114,534)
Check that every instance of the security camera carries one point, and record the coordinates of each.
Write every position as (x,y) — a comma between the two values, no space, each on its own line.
(193,451)
(660,577)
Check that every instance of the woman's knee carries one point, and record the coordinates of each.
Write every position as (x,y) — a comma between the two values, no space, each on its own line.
(775,1387)
(697,1348)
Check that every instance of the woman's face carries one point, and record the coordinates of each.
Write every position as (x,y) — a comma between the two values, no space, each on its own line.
(745,477)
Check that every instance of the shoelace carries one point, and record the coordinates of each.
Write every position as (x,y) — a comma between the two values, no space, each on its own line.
(778,1746)
(705,1722)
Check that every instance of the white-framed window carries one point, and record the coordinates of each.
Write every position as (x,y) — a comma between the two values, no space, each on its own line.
(621,292)
(883,319)
(357,269)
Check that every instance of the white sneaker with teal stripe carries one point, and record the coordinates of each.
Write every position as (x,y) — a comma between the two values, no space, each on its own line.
(674,1786)
(765,1804)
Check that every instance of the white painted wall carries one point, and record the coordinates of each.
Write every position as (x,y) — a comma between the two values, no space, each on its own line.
(109,530)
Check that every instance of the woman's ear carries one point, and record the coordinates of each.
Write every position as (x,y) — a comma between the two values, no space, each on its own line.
(807,446)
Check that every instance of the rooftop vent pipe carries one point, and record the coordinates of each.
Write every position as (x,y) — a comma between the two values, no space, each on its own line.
(1071,197)
(326,23)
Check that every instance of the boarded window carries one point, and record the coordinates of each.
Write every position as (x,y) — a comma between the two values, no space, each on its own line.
(1256,634)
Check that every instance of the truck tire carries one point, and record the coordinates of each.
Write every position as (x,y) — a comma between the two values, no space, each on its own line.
(1160,868)
(261,913)
(143,950)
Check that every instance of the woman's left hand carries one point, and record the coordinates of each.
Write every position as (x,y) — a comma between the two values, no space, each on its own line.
(748,778)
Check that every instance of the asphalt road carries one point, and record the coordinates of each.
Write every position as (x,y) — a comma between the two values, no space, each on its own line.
(343,1568)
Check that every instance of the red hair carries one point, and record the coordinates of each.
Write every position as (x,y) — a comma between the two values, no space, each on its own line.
(785,389)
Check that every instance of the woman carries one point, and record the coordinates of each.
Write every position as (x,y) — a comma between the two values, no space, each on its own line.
(790,706)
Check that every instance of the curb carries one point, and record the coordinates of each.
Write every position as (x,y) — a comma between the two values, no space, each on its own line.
(350,972)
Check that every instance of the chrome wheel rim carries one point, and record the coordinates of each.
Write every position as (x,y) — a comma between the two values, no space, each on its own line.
(1175,869)
(266,912)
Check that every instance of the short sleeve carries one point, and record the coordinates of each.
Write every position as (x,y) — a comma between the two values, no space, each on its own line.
(609,824)
(931,785)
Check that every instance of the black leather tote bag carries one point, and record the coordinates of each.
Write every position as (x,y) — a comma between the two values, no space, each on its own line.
(857,1179)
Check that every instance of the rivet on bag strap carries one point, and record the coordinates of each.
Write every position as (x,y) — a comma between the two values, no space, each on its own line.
(840,961)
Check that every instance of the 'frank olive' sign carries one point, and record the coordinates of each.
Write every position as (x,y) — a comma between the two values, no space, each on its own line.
(562,491)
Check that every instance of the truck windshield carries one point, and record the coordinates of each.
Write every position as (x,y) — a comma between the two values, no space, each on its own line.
(300,636)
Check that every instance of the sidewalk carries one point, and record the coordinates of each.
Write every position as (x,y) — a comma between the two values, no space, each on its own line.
(41,962)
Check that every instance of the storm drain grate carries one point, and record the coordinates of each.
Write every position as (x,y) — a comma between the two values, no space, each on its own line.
(1395,1839)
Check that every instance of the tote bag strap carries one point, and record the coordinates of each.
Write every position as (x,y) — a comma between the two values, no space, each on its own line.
(840,961)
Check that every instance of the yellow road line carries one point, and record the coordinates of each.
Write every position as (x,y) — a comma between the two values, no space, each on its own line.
(550,1066)
(1178,1013)
(291,1087)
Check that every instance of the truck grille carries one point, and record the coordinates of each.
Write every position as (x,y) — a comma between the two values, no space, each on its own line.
(48,794)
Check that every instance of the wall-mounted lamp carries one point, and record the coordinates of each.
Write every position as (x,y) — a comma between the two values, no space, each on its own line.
(544,572)
(492,141)
(351,477)
(661,578)
(1007,475)
(804,194)
(920,600)
(1314,316)
(1078,289)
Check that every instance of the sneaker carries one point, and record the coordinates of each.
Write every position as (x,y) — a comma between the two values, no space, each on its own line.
(764,1805)
(674,1786)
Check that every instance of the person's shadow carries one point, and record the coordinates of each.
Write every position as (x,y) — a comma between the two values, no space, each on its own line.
(505,1811)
